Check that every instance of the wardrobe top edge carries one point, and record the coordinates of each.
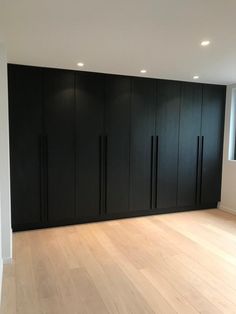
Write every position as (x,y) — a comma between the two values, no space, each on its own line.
(110,74)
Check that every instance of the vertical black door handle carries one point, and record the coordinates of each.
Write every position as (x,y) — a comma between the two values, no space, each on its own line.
(152,172)
(202,166)
(156,169)
(105,173)
(197,171)
(101,170)
(45,158)
(41,176)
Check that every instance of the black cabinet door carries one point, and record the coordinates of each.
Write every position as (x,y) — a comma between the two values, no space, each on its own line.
(25,113)
(189,144)
(212,142)
(142,143)
(90,97)
(117,120)
(59,117)
(167,131)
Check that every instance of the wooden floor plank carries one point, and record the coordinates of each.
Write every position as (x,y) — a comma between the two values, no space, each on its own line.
(167,264)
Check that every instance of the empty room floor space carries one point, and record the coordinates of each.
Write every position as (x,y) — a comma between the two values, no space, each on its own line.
(173,263)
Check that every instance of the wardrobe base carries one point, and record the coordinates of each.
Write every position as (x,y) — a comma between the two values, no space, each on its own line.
(104,217)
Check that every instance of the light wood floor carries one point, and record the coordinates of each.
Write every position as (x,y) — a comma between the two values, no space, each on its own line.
(175,263)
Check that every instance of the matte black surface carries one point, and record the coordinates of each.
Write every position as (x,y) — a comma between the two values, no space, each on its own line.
(189,144)
(105,217)
(142,131)
(167,130)
(212,142)
(90,99)
(59,117)
(118,92)
(25,104)
(90,147)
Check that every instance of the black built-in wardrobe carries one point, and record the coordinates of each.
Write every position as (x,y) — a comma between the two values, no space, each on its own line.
(88,146)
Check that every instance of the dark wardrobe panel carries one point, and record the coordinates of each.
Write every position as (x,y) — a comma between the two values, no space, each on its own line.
(87,146)
(189,144)
(59,117)
(25,104)
(90,98)
(142,143)
(117,143)
(167,131)
(212,142)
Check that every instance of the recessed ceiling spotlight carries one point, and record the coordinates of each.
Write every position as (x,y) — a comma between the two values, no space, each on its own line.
(143,71)
(205,43)
(80,64)
(196,77)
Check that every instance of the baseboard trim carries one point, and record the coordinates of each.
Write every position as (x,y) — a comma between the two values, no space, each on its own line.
(7,260)
(227,209)
(1,276)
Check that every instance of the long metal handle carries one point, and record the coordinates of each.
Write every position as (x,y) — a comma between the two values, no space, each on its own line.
(156,169)
(197,171)
(43,159)
(101,179)
(152,172)
(41,175)
(45,165)
(201,175)
(105,172)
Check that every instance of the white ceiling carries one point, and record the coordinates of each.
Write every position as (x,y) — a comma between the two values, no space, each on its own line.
(124,36)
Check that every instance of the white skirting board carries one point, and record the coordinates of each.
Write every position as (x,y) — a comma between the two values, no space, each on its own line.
(227,209)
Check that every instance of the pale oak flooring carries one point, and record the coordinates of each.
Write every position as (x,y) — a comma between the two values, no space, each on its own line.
(176,263)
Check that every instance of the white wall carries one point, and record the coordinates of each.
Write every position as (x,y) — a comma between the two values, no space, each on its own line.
(228,195)
(5,217)
(1,261)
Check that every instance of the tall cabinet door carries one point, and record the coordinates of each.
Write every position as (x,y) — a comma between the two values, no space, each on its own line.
(25,104)
(59,118)
(117,143)
(142,143)
(90,97)
(189,144)
(167,131)
(212,142)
